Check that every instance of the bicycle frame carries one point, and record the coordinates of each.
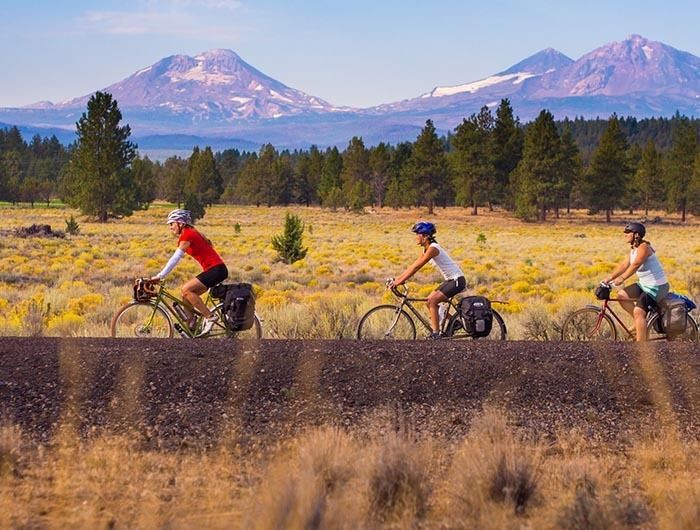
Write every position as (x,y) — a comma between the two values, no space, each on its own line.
(165,299)
(607,309)
(406,302)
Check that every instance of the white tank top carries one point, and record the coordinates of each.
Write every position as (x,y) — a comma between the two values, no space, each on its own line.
(650,274)
(449,269)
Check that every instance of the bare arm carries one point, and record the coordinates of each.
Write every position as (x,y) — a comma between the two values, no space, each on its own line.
(622,267)
(643,252)
(416,266)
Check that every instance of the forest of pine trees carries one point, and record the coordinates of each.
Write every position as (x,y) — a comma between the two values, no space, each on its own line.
(489,160)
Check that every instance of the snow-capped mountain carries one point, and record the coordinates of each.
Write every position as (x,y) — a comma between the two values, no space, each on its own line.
(217,84)
(633,66)
(218,96)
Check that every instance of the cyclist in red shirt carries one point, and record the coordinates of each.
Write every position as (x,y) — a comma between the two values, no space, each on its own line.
(192,242)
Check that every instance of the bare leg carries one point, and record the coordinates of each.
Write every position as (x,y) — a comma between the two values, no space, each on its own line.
(433,302)
(640,323)
(625,302)
(191,292)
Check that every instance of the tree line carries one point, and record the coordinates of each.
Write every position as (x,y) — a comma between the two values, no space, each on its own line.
(489,160)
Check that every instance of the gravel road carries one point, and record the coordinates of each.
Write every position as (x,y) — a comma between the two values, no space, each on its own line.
(187,392)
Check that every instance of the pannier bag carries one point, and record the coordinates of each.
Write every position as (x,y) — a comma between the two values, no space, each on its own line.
(239,306)
(674,314)
(476,315)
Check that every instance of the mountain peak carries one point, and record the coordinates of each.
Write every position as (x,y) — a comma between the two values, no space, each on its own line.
(215,84)
(540,63)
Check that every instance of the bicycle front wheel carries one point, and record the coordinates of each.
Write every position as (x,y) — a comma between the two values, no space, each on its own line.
(588,324)
(386,322)
(142,320)
(655,330)
(455,330)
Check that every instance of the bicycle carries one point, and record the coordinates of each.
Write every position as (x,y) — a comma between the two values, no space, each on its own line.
(393,322)
(152,313)
(594,322)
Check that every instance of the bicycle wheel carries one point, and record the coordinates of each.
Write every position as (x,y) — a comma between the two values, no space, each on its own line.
(386,322)
(143,320)
(221,330)
(587,324)
(455,330)
(655,330)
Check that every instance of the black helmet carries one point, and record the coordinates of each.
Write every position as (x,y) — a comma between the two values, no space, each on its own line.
(637,228)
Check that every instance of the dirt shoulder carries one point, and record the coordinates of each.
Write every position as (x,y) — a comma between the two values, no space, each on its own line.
(178,392)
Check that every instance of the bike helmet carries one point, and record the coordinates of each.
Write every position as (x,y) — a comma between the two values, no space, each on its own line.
(637,228)
(424,227)
(180,216)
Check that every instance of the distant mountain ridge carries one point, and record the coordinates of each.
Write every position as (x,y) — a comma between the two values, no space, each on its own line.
(216,94)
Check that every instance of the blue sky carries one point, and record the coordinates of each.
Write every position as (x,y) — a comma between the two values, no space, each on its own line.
(358,53)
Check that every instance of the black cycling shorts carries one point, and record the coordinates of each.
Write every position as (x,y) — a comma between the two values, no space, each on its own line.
(452,287)
(213,276)
(644,300)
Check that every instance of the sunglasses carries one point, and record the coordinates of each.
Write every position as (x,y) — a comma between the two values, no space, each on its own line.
(627,231)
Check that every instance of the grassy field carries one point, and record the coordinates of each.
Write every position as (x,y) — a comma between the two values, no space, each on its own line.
(72,286)
(330,478)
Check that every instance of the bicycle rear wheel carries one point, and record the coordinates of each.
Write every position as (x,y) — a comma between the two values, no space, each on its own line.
(221,330)
(142,320)
(455,330)
(588,324)
(386,322)
(655,330)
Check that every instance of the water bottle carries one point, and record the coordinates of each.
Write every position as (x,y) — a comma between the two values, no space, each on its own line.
(180,311)
(442,311)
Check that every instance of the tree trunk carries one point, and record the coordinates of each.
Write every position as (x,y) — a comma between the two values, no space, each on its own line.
(474,208)
(608,215)
(543,215)
(431,206)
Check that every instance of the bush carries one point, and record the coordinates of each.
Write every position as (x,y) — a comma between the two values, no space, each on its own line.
(72,226)
(288,244)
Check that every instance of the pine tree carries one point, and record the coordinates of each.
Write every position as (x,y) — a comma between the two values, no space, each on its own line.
(289,244)
(507,149)
(607,177)
(100,180)
(330,183)
(537,179)
(648,179)
(428,166)
(679,166)
(472,160)
(379,163)
(570,169)
(356,174)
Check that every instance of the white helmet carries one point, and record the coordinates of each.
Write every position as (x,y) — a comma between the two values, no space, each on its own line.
(180,216)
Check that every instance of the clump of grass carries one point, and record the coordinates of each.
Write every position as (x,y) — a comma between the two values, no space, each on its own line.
(400,481)
(494,466)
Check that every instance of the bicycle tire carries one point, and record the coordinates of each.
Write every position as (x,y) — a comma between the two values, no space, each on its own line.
(386,322)
(455,330)
(253,333)
(132,320)
(581,326)
(690,334)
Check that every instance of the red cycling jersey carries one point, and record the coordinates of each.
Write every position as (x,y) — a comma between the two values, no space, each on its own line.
(200,249)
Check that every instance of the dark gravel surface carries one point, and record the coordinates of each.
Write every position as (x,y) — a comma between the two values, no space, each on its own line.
(187,392)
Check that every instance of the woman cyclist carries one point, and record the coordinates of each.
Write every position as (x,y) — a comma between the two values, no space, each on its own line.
(192,242)
(454,277)
(652,284)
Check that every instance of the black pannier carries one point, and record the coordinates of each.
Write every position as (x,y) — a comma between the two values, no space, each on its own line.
(239,304)
(476,315)
(674,315)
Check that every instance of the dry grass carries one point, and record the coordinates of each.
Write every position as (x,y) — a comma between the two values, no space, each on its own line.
(72,286)
(332,478)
